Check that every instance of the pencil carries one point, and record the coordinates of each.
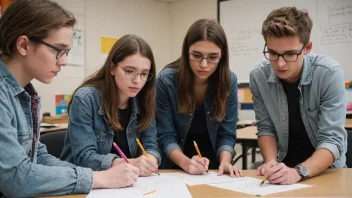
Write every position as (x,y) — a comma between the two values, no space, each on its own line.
(150,192)
(143,151)
(199,155)
(262,183)
(120,152)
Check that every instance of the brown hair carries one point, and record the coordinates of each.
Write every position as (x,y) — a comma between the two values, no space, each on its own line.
(288,22)
(104,82)
(203,30)
(32,18)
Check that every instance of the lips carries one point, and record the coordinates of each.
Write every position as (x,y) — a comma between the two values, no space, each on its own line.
(202,72)
(134,88)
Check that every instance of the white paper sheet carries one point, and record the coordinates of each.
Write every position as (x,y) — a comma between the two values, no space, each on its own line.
(206,178)
(165,187)
(251,186)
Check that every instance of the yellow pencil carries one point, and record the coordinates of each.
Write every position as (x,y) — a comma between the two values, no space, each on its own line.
(262,183)
(143,151)
(197,149)
(147,193)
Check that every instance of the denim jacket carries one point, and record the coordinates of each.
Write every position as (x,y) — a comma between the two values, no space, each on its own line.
(89,139)
(173,126)
(322,105)
(21,176)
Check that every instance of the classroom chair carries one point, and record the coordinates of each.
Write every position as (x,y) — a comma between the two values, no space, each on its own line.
(54,142)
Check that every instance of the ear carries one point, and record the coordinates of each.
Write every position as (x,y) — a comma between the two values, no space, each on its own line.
(112,68)
(22,45)
(308,47)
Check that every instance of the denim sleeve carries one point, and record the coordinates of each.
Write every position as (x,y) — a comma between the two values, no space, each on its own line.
(83,140)
(226,137)
(149,141)
(332,134)
(264,124)
(167,135)
(44,158)
(19,177)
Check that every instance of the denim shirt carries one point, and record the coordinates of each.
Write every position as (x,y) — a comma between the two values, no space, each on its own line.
(322,105)
(173,126)
(21,176)
(89,138)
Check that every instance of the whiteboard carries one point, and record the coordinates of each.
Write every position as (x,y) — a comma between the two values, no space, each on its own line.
(242,21)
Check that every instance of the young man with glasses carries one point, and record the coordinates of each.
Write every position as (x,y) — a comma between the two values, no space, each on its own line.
(299,102)
(116,104)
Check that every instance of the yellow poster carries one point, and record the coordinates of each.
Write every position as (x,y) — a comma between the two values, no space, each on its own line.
(106,44)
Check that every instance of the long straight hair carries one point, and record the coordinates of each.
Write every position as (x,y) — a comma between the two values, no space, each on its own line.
(104,82)
(203,30)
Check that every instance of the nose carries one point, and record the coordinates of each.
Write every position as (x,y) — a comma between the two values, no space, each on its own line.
(62,61)
(204,62)
(281,62)
(137,78)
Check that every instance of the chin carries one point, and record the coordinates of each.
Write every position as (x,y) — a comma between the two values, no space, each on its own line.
(45,81)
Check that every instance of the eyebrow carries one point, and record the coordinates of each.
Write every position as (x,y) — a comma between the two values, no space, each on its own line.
(61,46)
(214,53)
(131,67)
(285,52)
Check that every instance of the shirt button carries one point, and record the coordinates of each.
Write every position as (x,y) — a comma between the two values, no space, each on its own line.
(190,114)
(283,101)
(283,118)
(208,112)
(182,140)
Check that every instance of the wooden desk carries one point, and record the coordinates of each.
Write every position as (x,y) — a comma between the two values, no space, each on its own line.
(348,124)
(331,183)
(53,129)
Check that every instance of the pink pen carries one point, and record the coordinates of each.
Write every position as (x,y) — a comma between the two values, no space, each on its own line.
(120,152)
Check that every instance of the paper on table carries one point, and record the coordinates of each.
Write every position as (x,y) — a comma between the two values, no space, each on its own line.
(207,178)
(164,187)
(251,186)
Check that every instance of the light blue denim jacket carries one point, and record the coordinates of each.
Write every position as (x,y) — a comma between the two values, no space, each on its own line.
(322,104)
(89,139)
(173,126)
(21,176)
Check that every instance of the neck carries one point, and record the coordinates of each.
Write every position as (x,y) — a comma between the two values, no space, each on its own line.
(17,70)
(200,83)
(123,102)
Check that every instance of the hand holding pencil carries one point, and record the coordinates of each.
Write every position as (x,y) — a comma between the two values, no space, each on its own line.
(148,164)
(205,164)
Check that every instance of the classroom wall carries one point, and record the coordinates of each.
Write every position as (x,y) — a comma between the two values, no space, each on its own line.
(182,15)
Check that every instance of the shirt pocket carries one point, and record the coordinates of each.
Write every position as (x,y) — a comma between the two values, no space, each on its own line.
(102,137)
(24,138)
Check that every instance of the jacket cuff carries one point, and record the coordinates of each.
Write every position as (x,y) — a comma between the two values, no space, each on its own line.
(171,147)
(84,180)
(155,154)
(332,148)
(107,162)
(226,148)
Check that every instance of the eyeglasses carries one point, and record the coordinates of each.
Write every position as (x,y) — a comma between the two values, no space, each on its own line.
(60,52)
(288,57)
(199,58)
(132,73)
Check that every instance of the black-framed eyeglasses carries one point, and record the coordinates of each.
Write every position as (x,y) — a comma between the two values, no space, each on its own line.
(199,58)
(288,57)
(132,73)
(60,52)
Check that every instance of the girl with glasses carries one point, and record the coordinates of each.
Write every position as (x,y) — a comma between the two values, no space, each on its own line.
(26,168)
(116,104)
(196,100)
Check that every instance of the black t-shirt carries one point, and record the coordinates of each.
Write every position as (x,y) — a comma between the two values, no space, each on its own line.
(120,137)
(198,132)
(299,146)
